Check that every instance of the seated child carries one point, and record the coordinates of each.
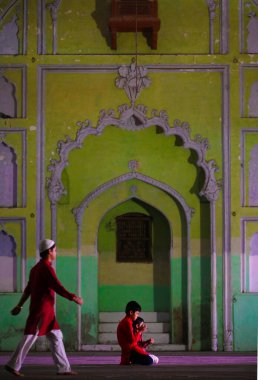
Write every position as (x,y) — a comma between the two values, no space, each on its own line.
(131,353)
(139,327)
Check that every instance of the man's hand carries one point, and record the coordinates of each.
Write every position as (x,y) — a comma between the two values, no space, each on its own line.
(78,300)
(16,310)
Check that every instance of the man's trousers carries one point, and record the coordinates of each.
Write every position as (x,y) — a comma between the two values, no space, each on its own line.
(56,345)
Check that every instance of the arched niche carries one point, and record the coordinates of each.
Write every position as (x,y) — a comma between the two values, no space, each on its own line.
(9,176)
(186,213)
(134,118)
(172,215)
(8,267)
(118,280)
(8,105)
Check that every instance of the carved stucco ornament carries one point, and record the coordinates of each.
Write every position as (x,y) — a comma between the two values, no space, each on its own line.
(133,118)
(79,211)
(212,5)
(132,79)
(2,136)
(53,7)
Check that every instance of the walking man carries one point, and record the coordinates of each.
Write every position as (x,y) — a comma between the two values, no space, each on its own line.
(41,288)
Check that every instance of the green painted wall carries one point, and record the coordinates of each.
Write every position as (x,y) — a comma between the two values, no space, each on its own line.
(125,281)
(77,93)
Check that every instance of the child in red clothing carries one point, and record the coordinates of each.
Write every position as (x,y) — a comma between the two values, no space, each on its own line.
(139,327)
(131,353)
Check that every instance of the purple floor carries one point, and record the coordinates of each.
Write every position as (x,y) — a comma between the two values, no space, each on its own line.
(194,359)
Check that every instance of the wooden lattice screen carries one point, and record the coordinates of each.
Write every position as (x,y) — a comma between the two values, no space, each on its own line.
(134,238)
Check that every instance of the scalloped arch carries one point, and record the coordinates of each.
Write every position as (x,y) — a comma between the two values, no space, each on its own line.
(126,120)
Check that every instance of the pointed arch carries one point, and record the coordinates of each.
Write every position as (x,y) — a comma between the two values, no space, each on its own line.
(133,118)
(78,211)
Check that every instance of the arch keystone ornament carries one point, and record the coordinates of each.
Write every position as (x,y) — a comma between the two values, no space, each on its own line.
(133,79)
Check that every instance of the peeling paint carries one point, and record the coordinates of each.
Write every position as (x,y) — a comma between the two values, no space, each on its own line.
(33,128)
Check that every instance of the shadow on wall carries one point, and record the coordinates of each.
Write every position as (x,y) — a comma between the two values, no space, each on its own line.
(161,257)
(205,257)
(180,314)
(201,325)
(205,280)
(101,16)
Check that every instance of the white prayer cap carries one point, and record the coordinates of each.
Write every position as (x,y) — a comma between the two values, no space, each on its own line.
(45,244)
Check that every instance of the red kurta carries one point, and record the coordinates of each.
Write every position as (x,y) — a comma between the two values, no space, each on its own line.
(142,343)
(127,340)
(41,287)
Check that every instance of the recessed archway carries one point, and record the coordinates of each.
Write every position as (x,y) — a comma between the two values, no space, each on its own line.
(134,118)
(155,273)
(150,283)
(92,210)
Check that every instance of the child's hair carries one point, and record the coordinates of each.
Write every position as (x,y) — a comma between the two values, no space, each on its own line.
(132,306)
(137,321)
